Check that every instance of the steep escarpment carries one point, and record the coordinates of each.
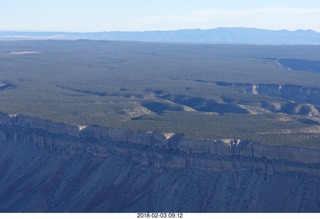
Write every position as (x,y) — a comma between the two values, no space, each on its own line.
(297,100)
(287,98)
(48,166)
(292,92)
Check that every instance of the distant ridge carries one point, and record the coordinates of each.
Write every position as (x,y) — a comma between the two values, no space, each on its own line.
(211,36)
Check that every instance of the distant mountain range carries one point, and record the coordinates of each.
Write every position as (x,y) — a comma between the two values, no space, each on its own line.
(210,36)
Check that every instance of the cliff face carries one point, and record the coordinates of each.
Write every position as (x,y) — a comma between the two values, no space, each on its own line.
(287,91)
(46,166)
(299,100)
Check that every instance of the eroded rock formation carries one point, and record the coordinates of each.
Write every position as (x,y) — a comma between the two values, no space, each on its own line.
(296,93)
(47,166)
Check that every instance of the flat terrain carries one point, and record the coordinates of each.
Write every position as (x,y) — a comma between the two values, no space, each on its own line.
(204,91)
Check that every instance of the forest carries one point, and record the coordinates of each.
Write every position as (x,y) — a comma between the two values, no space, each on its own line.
(269,94)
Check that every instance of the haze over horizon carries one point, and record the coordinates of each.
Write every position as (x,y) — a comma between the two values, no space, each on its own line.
(144,15)
(156,30)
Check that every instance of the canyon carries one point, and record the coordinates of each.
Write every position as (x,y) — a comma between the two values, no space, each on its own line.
(292,99)
(291,92)
(55,167)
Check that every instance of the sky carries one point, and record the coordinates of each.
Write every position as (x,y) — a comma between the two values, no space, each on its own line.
(143,15)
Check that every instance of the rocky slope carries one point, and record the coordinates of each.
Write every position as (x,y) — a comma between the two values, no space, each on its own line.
(300,100)
(292,92)
(55,167)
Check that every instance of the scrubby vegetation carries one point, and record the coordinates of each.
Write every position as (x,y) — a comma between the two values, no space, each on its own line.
(167,87)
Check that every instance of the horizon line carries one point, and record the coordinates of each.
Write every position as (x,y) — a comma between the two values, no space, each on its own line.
(168,30)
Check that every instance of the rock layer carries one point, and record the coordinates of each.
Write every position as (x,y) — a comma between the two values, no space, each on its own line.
(47,166)
(292,92)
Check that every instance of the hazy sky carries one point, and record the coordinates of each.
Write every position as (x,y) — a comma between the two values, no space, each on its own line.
(130,15)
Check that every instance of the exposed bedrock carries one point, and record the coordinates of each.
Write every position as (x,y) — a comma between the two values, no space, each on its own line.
(287,91)
(46,166)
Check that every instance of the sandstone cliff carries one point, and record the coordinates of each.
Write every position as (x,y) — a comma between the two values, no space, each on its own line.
(296,93)
(47,166)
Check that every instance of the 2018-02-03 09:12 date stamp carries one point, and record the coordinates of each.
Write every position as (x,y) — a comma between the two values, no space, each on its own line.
(159,215)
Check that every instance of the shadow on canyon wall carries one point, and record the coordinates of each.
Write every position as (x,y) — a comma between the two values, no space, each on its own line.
(55,167)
